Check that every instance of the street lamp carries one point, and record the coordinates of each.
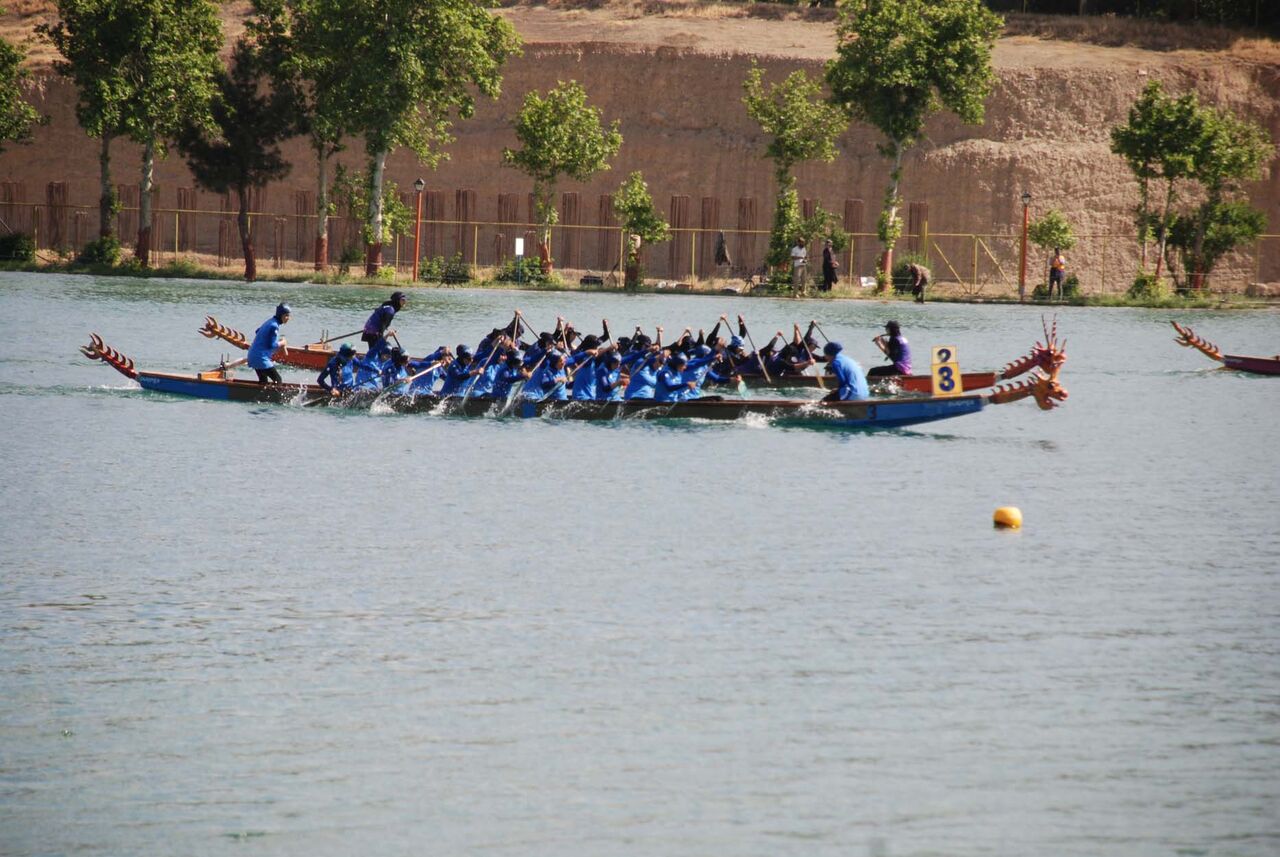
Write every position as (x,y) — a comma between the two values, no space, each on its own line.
(418,186)
(1026,222)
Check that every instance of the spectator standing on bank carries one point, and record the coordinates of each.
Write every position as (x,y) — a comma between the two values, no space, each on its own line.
(829,266)
(799,266)
(1057,271)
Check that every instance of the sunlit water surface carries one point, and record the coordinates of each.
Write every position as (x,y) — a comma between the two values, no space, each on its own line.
(238,629)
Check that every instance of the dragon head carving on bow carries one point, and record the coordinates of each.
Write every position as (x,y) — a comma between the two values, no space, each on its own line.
(1047,356)
(98,350)
(213,329)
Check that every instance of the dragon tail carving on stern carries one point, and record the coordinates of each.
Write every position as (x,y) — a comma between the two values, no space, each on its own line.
(99,350)
(1047,359)
(1187,338)
(213,329)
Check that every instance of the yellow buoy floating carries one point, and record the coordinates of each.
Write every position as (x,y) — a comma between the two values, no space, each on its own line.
(1008,518)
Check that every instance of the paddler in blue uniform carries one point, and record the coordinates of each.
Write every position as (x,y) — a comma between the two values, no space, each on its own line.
(337,377)
(396,369)
(378,328)
(512,371)
(671,385)
(610,382)
(429,370)
(266,339)
(695,372)
(849,376)
(549,382)
(461,373)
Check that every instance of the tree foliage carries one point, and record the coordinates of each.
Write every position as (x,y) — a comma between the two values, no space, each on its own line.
(801,126)
(1186,146)
(143,69)
(635,210)
(17,117)
(898,62)
(241,150)
(1053,230)
(560,135)
(412,67)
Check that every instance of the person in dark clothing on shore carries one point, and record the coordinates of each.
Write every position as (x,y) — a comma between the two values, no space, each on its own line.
(830,265)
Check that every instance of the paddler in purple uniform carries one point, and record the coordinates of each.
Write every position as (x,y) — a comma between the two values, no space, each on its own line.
(895,348)
(378,328)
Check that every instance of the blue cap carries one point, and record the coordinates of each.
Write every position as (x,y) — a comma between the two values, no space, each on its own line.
(613,357)
(703,350)
(347,349)
(282,310)
(678,358)
(735,342)
(464,351)
(831,349)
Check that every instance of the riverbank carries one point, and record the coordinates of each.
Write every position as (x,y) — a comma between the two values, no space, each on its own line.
(942,295)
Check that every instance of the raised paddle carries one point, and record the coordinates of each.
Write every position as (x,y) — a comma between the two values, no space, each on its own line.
(823,332)
(493,349)
(817,371)
(759,356)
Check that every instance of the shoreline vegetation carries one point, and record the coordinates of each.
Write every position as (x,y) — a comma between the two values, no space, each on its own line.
(943,293)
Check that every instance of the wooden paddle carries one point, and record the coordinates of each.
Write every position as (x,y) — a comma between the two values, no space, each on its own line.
(493,349)
(759,356)
(329,339)
(817,370)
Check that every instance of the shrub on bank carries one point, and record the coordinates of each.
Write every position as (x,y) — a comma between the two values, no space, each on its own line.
(1148,287)
(101,251)
(441,270)
(17,247)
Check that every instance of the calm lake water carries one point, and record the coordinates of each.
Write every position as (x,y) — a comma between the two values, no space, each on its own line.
(238,629)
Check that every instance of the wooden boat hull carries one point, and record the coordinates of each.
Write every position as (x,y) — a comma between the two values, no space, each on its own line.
(1255,365)
(882,413)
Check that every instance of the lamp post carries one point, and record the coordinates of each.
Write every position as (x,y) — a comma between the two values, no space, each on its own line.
(1026,222)
(417,226)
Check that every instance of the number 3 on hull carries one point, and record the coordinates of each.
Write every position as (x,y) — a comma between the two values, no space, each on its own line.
(947,380)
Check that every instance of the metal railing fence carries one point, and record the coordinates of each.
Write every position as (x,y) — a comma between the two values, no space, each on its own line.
(975,263)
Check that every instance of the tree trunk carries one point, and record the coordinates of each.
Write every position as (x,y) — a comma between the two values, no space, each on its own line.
(891,203)
(143,251)
(246,236)
(1198,271)
(107,195)
(1143,212)
(1164,227)
(545,205)
(322,208)
(373,250)
(632,280)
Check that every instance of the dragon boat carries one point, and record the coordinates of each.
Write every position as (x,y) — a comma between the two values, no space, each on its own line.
(1257,365)
(315,355)
(1044,387)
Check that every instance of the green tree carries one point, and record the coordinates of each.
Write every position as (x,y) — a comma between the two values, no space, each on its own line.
(241,150)
(299,44)
(1158,143)
(95,38)
(1228,152)
(17,117)
(1053,230)
(144,68)
(411,66)
(351,191)
(899,61)
(560,135)
(801,127)
(640,222)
